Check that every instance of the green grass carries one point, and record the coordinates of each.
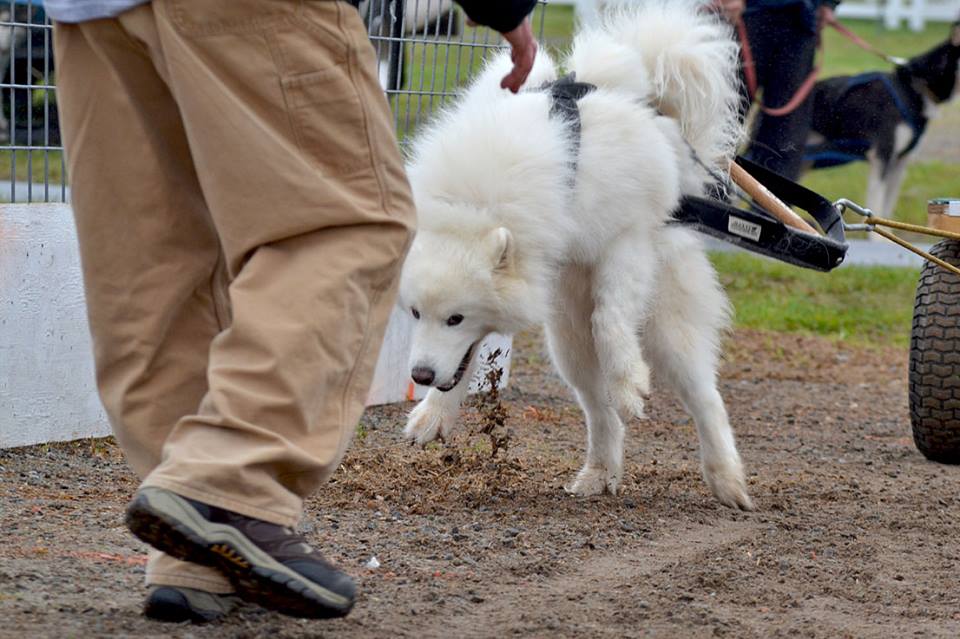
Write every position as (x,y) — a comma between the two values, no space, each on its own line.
(33,160)
(864,305)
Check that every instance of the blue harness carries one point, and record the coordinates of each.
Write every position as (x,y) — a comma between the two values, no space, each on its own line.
(843,151)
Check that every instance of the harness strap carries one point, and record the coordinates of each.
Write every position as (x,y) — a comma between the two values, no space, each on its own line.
(917,125)
(564,93)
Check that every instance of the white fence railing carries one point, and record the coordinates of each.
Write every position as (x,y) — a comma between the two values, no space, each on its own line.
(916,13)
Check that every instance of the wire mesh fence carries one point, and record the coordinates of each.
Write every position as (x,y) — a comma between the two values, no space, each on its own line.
(425,51)
(31,158)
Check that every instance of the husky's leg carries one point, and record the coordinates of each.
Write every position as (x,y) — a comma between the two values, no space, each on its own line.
(436,414)
(876,188)
(622,284)
(682,340)
(894,170)
(892,182)
(574,353)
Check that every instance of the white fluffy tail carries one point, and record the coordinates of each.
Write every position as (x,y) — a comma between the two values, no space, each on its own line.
(676,54)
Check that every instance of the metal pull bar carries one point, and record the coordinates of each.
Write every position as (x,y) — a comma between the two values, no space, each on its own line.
(871,222)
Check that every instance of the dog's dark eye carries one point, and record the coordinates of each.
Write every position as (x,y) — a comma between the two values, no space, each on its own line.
(416,313)
(453,320)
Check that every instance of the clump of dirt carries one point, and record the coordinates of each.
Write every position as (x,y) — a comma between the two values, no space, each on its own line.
(486,402)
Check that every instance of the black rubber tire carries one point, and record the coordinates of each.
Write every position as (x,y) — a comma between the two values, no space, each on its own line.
(935,359)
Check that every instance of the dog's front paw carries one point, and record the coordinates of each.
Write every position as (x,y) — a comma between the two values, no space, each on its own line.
(427,422)
(592,480)
(728,484)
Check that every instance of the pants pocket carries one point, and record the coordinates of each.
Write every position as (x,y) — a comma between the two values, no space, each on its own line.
(327,120)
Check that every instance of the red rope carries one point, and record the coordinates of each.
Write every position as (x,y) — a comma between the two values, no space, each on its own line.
(860,42)
(750,71)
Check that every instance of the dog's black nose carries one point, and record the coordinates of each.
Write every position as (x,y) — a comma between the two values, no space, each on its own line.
(422,375)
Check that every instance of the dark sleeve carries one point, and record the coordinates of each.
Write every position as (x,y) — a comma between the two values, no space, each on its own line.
(499,15)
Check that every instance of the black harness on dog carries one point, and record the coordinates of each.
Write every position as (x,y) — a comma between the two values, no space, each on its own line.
(753,229)
(564,93)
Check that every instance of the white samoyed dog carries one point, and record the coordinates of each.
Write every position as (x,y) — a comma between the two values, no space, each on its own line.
(524,222)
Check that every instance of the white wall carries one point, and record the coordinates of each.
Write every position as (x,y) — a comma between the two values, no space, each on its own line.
(47,390)
(46,371)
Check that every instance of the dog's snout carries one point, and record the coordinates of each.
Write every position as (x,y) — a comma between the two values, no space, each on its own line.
(423,375)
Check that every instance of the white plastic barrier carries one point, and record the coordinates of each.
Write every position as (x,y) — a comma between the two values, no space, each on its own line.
(46,368)
(47,389)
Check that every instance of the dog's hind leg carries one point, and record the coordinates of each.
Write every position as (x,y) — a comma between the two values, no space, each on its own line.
(876,187)
(574,353)
(892,182)
(682,341)
(894,169)
(622,286)
(436,414)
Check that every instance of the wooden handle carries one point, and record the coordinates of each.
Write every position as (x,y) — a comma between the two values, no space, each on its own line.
(768,200)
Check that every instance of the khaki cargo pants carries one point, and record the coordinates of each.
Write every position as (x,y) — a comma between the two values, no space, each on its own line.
(242,213)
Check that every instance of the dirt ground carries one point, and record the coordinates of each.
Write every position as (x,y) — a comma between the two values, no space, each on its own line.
(855,533)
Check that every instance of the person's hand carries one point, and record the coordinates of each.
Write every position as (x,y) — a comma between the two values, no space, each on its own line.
(523,51)
(731,9)
(824,16)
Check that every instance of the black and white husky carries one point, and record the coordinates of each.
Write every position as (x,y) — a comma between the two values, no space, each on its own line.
(880,117)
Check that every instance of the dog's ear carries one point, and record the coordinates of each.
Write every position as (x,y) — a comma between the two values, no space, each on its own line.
(501,246)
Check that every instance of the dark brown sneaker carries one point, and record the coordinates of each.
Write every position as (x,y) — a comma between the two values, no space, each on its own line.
(177,604)
(268,564)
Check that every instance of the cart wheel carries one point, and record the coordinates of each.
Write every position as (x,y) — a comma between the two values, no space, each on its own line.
(935,359)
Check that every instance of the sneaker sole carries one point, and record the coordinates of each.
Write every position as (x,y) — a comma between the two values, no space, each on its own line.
(169,523)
